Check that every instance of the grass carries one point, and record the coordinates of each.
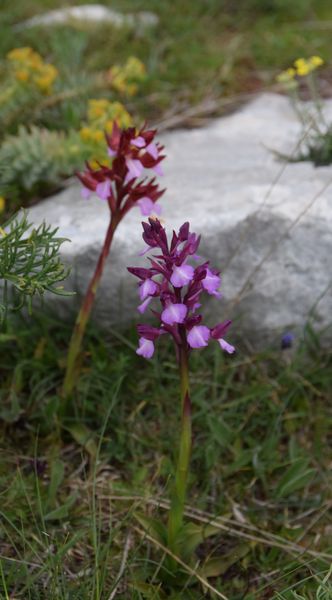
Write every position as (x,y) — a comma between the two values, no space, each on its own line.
(197,50)
(71,484)
(203,58)
(261,467)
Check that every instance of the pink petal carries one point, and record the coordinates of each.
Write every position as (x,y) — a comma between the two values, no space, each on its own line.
(148,288)
(111,152)
(103,189)
(198,336)
(174,313)
(182,275)
(85,192)
(157,169)
(139,142)
(142,307)
(144,251)
(211,282)
(152,150)
(148,207)
(135,169)
(146,348)
(226,346)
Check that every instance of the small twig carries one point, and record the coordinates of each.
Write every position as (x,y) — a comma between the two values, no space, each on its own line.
(122,566)
(207,107)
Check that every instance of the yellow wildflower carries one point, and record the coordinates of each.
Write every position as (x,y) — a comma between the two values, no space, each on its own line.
(316,61)
(22,75)
(98,136)
(123,79)
(117,112)
(303,67)
(28,65)
(97,108)
(286,76)
(26,57)
(19,54)
(96,162)
(86,134)
(45,79)
(2,204)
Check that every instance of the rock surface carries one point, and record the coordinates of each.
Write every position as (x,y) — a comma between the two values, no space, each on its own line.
(266,224)
(93,13)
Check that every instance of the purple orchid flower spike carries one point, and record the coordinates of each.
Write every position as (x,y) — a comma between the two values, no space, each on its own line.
(178,286)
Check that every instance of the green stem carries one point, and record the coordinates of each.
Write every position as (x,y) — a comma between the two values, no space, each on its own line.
(175,520)
(84,313)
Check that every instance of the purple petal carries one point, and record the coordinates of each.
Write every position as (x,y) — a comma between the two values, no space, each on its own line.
(157,169)
(226,346)
(103,189)
(152,150)
(148,207)
(148,332)
(174,313)
(182,275)
(85,193)
(198,336)
(148,288)
(211,282)
(139,142)
(135,169)
(144,251)
(111,152)
(142,307)
(196,306)
(219,330)
(146,348)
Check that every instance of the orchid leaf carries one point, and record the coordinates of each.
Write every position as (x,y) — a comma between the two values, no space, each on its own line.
(153,527)
(218,565)
(62,511)
(84,437)
(192,535)
(149,591)
(296,477)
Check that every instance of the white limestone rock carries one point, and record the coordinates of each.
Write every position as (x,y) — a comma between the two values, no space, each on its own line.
(267,225)
(91,13)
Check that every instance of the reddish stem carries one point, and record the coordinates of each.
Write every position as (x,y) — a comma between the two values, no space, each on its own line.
(84,313)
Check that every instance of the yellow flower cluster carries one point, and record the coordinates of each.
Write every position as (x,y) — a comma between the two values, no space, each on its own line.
(2,204)
(124,79)
(302,67)
(101,116)
(30,68)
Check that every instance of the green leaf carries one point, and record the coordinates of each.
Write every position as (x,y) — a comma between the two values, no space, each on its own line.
(62,511)
(57,475)
(295,478)
(153,527)
(218,565)
(84,437)
(7,337)
(149,591)
(191,535)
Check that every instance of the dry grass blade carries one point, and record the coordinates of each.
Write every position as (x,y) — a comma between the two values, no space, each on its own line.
(233,528)
(189,570)
(122,567)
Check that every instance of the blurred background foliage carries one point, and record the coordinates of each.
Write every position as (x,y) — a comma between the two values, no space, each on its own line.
(197,52)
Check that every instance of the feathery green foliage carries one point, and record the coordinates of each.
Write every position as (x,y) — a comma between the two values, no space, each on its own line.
(30,263)
(36,160)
